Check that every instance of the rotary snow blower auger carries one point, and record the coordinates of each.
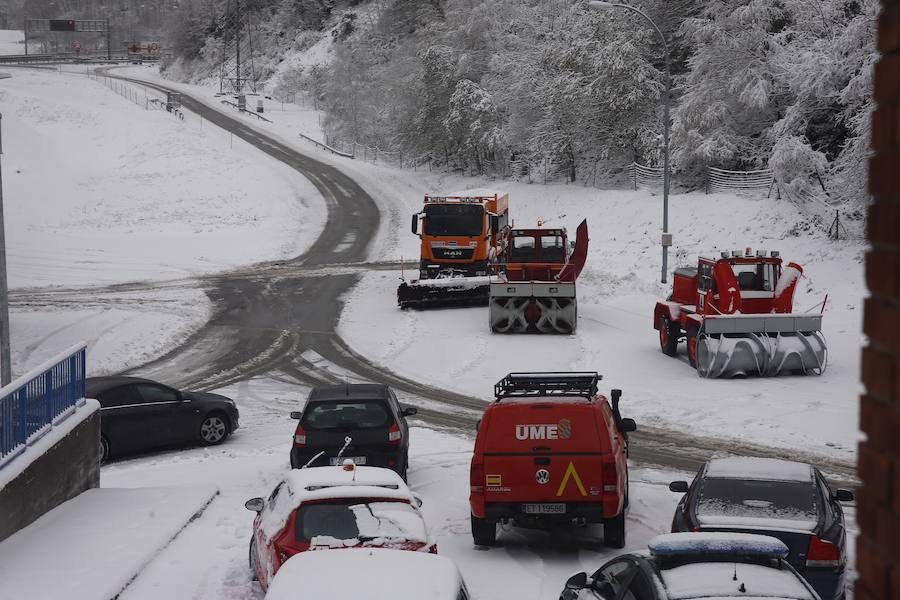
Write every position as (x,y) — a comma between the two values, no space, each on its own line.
(461,234)
(736,315)
(535,287)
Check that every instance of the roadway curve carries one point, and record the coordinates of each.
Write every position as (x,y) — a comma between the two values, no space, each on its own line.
(268,316)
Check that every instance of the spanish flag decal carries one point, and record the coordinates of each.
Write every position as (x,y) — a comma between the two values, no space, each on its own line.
(571,472)
(494,480)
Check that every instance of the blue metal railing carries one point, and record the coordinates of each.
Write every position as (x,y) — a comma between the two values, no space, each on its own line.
(30,404)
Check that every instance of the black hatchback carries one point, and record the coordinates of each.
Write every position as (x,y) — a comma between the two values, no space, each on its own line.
(361,421)
(784,499)
(139,414)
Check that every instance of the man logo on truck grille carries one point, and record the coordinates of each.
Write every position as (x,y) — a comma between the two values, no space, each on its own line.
(548,431)
(542,476)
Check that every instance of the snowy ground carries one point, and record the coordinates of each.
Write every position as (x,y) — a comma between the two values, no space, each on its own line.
(617,292)
(12,41)
(209,559)
(98,191)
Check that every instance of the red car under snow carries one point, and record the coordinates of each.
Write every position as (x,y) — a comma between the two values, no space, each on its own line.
(322,508)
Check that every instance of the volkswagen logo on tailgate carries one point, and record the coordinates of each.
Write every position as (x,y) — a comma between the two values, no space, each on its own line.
(542,476)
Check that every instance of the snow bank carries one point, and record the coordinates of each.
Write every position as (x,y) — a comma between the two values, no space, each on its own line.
(12,41)
(99,191)
(93,546)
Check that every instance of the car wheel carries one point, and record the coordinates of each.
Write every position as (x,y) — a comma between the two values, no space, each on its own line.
(213,429)
(484,533)
(252,559)
(668,336)
(104,449)
(614,531)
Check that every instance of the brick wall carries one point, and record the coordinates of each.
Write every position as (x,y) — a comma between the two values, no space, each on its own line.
(878,502)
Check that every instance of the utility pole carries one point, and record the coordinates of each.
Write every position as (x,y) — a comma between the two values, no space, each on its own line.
(108,49)
(5,365)
(26,36)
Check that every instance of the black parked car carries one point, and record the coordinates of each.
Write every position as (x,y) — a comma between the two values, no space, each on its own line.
(784,499)
(367,413)
(139,414)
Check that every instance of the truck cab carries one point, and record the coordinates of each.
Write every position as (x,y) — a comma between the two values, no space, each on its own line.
(461,232)
(549,450)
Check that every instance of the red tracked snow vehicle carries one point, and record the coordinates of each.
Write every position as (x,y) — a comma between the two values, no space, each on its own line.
(736,314)
(535,289)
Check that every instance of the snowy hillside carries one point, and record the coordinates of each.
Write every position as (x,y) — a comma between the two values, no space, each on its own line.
(99,191)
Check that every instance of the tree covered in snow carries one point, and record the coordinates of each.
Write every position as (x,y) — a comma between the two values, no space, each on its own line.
(507,86)
(784,84)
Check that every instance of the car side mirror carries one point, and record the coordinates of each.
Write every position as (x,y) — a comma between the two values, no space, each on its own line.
(842,495)
(578,581)
(495,223)
(417,500)
(679,486)
(254,504)
(408,411)
(415,224)
(297,414)
(628,425)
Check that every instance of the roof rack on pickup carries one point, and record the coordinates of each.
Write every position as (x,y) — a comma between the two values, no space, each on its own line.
(548,384)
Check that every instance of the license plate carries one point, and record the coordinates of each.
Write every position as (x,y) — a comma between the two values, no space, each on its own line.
(544,509)
(357,460)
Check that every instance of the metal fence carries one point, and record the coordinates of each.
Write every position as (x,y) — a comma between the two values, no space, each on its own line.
(33,403)
(643,176)
(721,180)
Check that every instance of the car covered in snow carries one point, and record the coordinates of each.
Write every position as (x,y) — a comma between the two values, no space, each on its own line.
(334,508)
(784,499)
(137,415)
(550,450)
(368,574)
(368,414)
(687,566)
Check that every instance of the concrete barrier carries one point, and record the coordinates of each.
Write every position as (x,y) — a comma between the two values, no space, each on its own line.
(57,467)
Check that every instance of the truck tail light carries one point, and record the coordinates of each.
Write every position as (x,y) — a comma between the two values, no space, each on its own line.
(300,437)
(609,478)
(476,478)
(822,553)
(395,436)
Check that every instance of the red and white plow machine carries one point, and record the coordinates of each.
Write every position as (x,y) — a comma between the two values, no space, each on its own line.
(535,287)
(736,314)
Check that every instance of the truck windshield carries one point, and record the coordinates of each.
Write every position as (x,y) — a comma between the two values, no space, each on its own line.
(454,219)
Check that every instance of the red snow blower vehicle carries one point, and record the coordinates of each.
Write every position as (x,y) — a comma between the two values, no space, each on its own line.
(736,314)
(535,288)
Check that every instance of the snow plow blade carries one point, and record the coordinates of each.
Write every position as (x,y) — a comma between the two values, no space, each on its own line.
(766,345)
(444,293)
(533,307)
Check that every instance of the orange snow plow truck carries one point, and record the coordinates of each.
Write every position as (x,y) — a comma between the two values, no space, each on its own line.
(550,450)
(462,234)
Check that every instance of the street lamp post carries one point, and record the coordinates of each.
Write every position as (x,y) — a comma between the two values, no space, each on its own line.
(666,239)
